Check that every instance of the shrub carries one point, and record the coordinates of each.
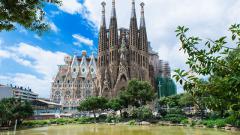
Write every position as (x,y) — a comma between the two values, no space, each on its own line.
(184,121)
(35,123)
(102,117)
(193,123)
(174,118)
(113,119)
(132,122)
(175,111)
(84,120)
(162,112)
(220,123)
(208,123)
(62,121)
(233,120)
(211,123)
(142,113)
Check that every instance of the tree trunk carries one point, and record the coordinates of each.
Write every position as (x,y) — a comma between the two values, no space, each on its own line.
(94,114)
(189,109)
(202,113)
(222,113)
(120,113)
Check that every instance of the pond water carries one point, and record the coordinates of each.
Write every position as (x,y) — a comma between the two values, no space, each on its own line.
(118,130)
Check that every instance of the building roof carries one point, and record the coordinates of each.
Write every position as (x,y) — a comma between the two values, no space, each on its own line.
(48,102)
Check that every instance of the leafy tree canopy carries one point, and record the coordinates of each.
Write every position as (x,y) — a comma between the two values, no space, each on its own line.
(27,13)
(14,109)
(138,93)
(115,104)
(219,62)
(93,104)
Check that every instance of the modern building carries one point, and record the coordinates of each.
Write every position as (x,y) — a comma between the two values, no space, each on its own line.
(45,109)
(74,81)
(17,92)
(122,53)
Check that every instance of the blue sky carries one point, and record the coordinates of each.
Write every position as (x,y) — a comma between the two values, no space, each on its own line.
(29,60)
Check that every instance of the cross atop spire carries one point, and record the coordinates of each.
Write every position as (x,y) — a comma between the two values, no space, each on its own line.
(103,23)
(142,22)
(133,9)
(113,9)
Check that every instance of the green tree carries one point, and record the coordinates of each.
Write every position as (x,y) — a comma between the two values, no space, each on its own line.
(170,101)
(219,63)
(93,104)
(163,101)
(138,93)
(115,104)
(186,100)
(14,109)
(141,113)
(27,13)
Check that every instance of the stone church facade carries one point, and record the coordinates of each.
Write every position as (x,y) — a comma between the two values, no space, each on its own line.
(75,80)
(122,53)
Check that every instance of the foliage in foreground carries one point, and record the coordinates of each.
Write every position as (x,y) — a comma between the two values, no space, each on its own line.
(12,109)
(212,123)
(174,118)
(27,13)
(219,63)
(59,121)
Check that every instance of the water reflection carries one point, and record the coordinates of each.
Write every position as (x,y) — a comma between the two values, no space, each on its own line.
(118,130)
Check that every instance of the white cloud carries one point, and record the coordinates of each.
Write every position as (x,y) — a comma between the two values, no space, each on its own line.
(82,40)
(54,13)
(53,27)
(71,6)
(22,30)
(4,54)
(43,62)
(1,41)
(204,17)
(37,37)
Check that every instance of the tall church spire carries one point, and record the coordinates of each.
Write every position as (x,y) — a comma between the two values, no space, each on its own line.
(133,15)
(133,35)
(102,43)
(142,22)
(113,29)
(103,21)
(113,57)
(113,15)
(143,42)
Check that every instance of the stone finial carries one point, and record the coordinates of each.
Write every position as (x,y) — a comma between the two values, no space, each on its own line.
(103,23)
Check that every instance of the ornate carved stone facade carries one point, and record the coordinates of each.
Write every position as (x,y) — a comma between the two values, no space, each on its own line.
(122,53)
(75,80)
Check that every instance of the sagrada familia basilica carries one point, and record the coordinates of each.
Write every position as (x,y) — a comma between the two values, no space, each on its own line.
(123,54)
